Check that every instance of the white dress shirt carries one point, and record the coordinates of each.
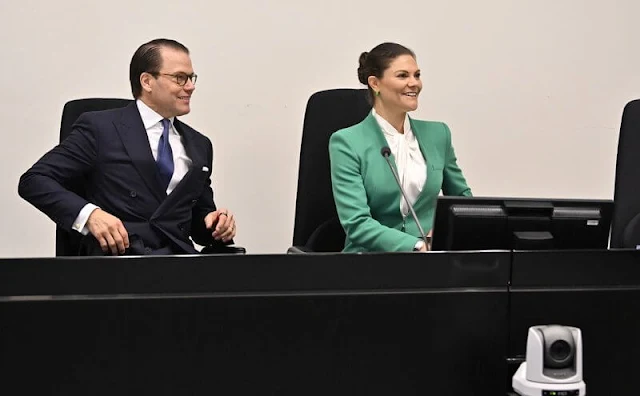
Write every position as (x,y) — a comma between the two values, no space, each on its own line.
(410,163)
(181,162)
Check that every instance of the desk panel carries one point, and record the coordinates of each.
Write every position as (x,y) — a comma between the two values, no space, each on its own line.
(319,325)
(597,291)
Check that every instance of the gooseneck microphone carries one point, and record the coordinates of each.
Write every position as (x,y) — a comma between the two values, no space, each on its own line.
(386,152)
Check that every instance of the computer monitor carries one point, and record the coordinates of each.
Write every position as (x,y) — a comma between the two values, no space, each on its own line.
(480,223)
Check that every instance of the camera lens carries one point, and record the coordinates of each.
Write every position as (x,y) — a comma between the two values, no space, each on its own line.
(559,347)
(560,350)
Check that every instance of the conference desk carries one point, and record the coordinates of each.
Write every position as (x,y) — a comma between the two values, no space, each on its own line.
(446,323)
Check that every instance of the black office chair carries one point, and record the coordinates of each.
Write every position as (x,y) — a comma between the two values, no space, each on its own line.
(317,228)
(68,243)
(625,228)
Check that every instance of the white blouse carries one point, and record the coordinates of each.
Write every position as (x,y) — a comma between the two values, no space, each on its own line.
(410,163)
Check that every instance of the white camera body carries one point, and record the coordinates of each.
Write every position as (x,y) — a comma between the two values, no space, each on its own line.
(553,366)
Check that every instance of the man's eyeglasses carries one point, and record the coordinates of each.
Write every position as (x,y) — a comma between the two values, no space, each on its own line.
(181,78)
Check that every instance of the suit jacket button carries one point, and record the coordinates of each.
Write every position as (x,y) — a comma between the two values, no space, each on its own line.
(133,194)
(147,250)
(193,201)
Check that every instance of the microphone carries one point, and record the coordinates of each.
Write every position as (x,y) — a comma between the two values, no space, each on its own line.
(386,152)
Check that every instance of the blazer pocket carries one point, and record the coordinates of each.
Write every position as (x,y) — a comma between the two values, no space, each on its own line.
(203,174)
(195,180)
(203,170)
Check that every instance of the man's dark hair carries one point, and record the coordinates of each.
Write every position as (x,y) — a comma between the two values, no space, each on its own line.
(148,58)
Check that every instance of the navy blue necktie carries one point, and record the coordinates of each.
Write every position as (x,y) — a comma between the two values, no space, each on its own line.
(165,155)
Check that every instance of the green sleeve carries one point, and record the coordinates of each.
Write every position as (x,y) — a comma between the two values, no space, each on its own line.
(351,202)
(453,182)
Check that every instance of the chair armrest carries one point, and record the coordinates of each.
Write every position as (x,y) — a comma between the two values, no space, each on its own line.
(299,250)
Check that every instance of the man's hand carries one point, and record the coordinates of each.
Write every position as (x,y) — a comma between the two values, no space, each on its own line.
(109,231)
(225,225)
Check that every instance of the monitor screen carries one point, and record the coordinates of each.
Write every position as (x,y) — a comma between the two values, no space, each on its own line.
(479,223)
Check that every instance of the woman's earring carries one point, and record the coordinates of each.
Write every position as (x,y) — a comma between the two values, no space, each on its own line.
(377,93)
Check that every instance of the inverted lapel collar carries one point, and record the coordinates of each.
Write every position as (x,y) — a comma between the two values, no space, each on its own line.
(136,142)
(190,143)
(424,139)
(371,124)
(427,147)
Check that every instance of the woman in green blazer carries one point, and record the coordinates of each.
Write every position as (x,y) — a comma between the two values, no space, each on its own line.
(370,206)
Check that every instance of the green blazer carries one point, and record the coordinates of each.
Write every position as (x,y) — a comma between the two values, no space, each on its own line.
(366,195)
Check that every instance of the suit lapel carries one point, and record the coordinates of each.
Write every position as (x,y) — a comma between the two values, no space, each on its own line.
(194,152)
(384,175)
(136,142)
(429,150)
(427,147)
(189,141)
(372,125)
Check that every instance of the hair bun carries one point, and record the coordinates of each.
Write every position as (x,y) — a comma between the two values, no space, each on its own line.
(363,70)
(363,58)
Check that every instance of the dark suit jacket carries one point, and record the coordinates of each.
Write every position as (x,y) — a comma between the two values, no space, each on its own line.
(111,151)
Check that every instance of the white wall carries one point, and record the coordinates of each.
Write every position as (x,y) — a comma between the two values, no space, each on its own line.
(533,90)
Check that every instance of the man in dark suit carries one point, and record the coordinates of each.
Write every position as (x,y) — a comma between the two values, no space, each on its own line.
(148,175)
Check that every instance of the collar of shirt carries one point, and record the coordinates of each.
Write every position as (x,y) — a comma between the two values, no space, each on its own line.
(389,131)
(149,117)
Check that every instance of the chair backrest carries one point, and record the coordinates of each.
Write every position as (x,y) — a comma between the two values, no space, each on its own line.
(625,228)
(67,243)
(327,112)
